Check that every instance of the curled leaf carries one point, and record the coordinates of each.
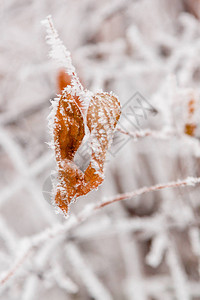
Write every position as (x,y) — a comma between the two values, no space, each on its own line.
(103,114)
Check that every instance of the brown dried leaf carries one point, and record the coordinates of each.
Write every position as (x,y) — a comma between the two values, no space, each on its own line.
(103,114)
(69,115)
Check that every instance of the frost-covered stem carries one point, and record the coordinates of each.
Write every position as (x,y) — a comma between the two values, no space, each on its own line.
(16,266)
(18,184)
(177,273)
(179,183)
(88,212)
(30,288)
(134,283)
(60,54)
(63,280)
(7,235)
(95,288)
(15,154)
(158,247)
(159,134)
(195,242)
(163,134)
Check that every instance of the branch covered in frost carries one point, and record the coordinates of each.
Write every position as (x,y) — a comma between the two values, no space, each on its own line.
(164,134)
(159,134)
(95,287)
(88,212)
(189,181)
(177,273)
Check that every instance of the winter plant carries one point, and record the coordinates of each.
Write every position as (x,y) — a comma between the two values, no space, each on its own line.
(134,231)
(76,113)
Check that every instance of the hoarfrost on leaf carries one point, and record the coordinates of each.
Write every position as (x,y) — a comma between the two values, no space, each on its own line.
(76,113)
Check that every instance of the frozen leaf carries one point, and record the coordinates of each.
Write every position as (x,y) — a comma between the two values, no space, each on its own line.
(75,112)
(103,114)
(102,117)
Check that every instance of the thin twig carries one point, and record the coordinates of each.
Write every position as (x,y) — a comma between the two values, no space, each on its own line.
(164,134)
(160,134)
(144,190)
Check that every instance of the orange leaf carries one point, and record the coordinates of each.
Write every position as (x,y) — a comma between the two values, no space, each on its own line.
(68,135)
(190,127)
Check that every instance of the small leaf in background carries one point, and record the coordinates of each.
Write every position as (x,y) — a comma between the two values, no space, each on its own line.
(190,126)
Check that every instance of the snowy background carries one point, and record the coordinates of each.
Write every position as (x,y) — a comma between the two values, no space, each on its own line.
(145,248)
